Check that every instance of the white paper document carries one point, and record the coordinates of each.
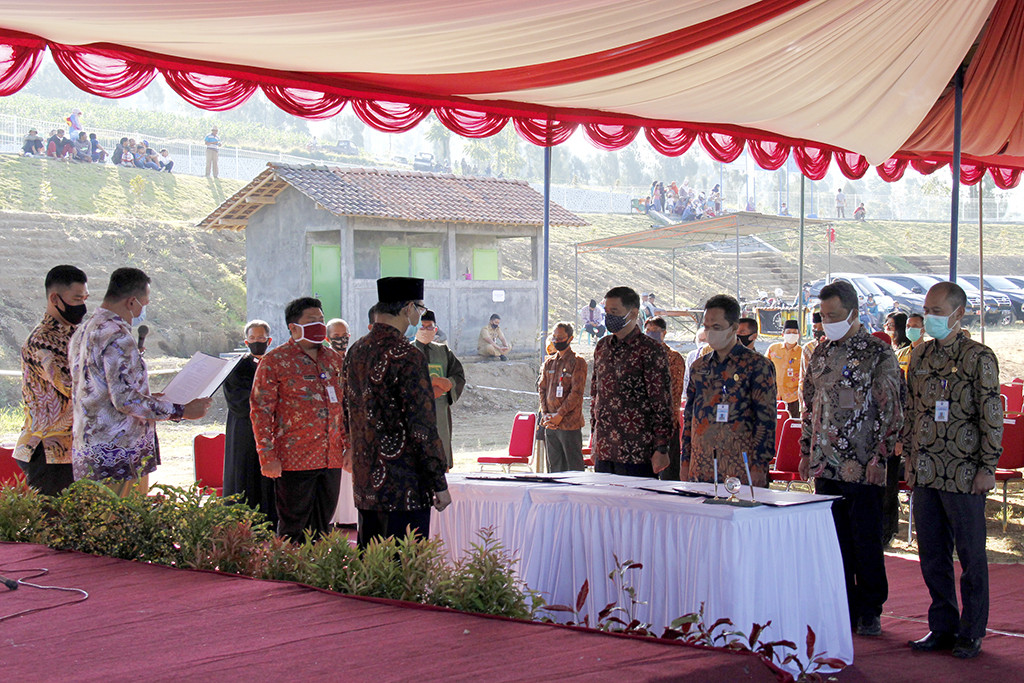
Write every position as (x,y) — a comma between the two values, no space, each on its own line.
(200,377)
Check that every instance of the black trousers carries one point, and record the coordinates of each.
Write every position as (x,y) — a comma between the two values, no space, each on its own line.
(306,500)
(385,523)
(891,503)
(671,473)
(564,449)
(46,478)
(794,409)
(626,469)
(858,519)
(945,521)
(596,330)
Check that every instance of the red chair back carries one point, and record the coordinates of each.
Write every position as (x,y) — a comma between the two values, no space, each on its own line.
(10,472)
(1014,395)
(520,444)
(1013,444)
(787,457)
(208,460)
(781,418)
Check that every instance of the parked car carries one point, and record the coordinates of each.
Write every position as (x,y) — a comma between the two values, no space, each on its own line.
(1019,281)
(346,147)
(998,309)
(920,283)
(424,161)
(1004,286)
(906,300)
(865,287)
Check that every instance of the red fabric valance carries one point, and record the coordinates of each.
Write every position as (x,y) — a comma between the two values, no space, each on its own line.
(671,142)
(305,103)
(470,124)
(18,64)
(610,136)
(767,154)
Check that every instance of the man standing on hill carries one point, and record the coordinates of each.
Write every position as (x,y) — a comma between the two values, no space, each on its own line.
(115,415)
(43,450)
(297,421)
(213,144)
(397,458)
(630,415)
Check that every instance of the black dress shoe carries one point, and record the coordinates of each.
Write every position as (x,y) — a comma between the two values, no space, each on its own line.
(934,641)
(869,626)
(967,648)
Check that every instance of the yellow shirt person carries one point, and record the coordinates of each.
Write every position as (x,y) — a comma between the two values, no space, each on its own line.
(786,356)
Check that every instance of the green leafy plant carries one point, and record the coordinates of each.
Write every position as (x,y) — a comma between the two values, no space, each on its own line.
(485,581)
(22,515)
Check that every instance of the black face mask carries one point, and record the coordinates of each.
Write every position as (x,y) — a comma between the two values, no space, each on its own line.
(339,346)
(257,348)
(73,314)
(819,334)
(561,346)
(494,325)
(745,338)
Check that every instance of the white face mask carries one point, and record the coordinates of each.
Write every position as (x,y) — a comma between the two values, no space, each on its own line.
(836,331)
(719,339)
(791,337)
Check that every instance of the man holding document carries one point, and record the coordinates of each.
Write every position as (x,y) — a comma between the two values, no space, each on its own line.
(297,421)
(114,427)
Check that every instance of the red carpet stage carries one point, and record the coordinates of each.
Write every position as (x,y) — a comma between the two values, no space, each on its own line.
(144,622)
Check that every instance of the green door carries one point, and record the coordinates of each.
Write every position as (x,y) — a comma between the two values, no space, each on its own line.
(426,263)
(485,264)
(327,278)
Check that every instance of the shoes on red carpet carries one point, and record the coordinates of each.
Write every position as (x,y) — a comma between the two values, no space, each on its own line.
(869,626)
(934,642)
(967,648)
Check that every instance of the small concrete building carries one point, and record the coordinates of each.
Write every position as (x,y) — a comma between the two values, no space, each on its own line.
(330,233)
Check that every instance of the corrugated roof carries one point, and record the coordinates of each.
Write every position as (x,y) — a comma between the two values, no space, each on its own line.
(396,195)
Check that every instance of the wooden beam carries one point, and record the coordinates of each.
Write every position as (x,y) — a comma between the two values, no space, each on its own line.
(260,200)
(231,222)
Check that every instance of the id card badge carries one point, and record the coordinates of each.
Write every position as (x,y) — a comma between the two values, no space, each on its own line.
(332,395)
(942,411)
(722,412)
(846,399)
(789,372)
(559,391)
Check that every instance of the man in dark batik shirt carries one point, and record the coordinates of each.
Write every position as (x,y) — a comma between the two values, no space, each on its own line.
(631,409)
(397,458)
(730,404)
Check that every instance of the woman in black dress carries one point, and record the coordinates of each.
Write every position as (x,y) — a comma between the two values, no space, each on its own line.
(241,461)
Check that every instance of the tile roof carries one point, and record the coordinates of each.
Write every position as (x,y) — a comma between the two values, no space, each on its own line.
(397,195)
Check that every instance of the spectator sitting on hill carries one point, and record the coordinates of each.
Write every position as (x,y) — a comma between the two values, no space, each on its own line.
(83,152)
(33,145)
(127,158)
(688,213)
(142,161)
(860,213)
(74,125)
(165,161)
(99,155)
(58,146)
(784,211)
(119,150)
(151,155)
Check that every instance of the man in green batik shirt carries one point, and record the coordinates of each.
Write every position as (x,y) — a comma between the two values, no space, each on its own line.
(446,375)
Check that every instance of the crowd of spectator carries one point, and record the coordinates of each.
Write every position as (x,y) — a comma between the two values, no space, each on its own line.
(684,202)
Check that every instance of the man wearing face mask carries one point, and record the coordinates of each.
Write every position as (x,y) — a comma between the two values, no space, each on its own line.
(43,450)
(242,473)
(915,330)
(562,381)
(630,413)
(730,404)
(298,424)
(853,412)
(492,343)
(398,461)
(447,378)
(115,415)
(786,356)
(818,335)
(657,329)
(338,336)
(703,349)
(746,333)
(953,436)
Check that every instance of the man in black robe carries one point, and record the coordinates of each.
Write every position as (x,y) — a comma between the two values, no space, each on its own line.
(241,461)
(447,377)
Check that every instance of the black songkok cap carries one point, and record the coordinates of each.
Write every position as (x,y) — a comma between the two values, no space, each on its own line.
(816,317)
(391,290)
(791,325)
(428,315)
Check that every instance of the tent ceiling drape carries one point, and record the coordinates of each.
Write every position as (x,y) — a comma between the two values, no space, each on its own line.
(862,82)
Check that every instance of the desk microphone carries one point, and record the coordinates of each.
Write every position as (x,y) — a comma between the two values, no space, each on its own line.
(143,331)
(10,583)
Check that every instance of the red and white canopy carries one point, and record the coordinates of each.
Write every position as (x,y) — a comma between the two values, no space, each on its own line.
(864,82)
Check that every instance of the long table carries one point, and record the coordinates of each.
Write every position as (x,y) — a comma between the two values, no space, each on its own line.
(750,564)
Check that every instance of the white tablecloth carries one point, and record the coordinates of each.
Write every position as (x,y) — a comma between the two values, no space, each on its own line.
(778,564)
(345,512)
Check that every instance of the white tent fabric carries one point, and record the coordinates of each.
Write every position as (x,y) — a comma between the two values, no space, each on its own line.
(857,74)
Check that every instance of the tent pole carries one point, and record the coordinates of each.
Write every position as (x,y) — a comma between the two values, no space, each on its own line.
(981,253)
(547,248)
(737,261)
(954,218)
(800,303)
(673,277)
(576,276)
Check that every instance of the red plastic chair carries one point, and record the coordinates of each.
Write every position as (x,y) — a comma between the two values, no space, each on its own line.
(781,418)
(588,450)
(1013,396)
(787,459)
(208,462)
(1012,459)
(520,445)
(11,473)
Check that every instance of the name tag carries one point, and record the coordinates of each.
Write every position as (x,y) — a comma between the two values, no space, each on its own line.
(789,372)
(847,400)
(332,395)
(722,412)
(942,411)
(559,391)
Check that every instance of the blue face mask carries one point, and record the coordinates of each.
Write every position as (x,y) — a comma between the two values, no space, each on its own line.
(140,317)
(937,326)
(914,333)
(656,335)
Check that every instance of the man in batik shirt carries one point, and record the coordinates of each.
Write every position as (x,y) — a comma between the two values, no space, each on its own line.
(397,458)
(657,329)
(730,404)
(562,380)
(953,439)
(630,412)
(43,450)
(297,421)
(115,415)
(851,421)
